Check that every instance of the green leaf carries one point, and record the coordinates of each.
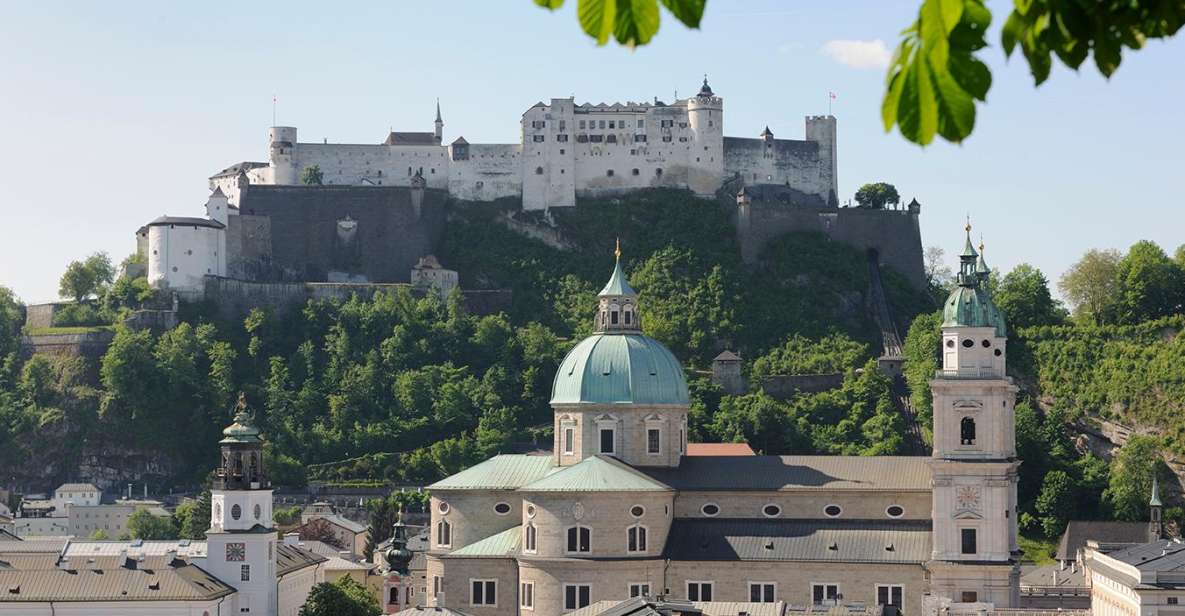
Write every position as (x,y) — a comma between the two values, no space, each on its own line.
(952,12)
(916,110)
(597,18)
(896,84)
(972,75)
(687,11)
(956,109)
(1107,54)
(1013,28)
(550,4)
(637,21)
(932,31)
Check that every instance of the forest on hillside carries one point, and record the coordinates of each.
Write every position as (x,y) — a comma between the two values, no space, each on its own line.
(395,389)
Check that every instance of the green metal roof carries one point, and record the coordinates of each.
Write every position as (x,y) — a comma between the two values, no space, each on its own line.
(243,429)
(971,306)
(502,472)
(500,545)
(599,473)
(617,284)
(619,368)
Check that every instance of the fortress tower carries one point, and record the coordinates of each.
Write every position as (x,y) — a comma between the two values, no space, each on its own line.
(281,146)
(705,115)
(821,129)
(974,465)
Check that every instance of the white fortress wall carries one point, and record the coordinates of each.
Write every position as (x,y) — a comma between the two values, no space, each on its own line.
(384,165)
(549,178)
(632,148)
(488,172)
(179,256)
(777,161)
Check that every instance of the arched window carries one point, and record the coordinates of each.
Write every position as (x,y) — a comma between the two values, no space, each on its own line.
(444,534)
(613,315)
(636,538)
(629,315)
(538,170)
(530,539)
(393,596)
(579,540)
(967,431)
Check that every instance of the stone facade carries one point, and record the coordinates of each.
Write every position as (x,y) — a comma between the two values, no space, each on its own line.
(567,150)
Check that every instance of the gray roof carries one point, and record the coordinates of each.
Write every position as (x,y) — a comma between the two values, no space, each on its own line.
(502,472)
(1078,532)
(77,487)
(640,606)
(792,473)
(599,473)
(421,610)
(342,521)
(1053,576)
(1161,562)
(236,168)
(186,221)
(402,138)
(179,583)
(291,558)
(843,541)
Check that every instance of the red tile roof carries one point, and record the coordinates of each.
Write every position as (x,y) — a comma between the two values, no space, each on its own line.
(719,449)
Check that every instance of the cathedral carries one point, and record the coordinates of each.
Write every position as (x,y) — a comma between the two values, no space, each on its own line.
(619,509)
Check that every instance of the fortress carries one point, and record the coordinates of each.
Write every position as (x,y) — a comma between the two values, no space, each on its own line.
(566,151)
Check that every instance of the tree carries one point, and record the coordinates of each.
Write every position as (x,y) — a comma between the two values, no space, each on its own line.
(11,320)
(143,525)
(935,77)
(1056,502)
(1151,285)
(877,195)
(801,355)
(939,276)
(1130,485)
(192,517)
(1023,295)
(343,597)
(1091,286)
(312,176)
(86,278)
(320,529)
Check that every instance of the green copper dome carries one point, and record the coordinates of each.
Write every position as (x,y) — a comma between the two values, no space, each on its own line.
(619,369)
(243,429)
(970,305)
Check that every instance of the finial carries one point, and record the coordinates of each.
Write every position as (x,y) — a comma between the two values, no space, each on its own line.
(241,405)
(981,242)
(617,250)
(968,227)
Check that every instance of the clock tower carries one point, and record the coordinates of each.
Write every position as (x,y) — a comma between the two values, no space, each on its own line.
(241,542)
(974,465)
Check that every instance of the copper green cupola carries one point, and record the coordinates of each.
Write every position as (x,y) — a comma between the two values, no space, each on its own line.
(242,453)
(969,304)
(617,303)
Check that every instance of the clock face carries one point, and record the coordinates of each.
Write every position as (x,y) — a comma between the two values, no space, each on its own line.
(967,497)
(236,552)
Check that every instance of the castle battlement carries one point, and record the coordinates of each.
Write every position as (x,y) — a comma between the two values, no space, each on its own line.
(566,150)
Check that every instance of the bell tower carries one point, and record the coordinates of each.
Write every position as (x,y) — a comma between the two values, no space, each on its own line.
(241,541)
(974,465)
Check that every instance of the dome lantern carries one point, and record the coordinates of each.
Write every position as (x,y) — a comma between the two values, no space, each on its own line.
(617,310)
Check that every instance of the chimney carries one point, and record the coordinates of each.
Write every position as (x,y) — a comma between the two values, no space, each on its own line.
(291,538)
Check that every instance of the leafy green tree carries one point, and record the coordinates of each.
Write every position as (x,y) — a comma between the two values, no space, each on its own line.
(1151,285)
(801,355)
(312,176)
(100,535)
(1131,478)
(143,525)
(343,597)
(1091,286)
(11,320)
(1056,502)
(923,343)
(1023,296)
(192,517)
(87,278)
(939,277)
(287,516)
(683,308)
(877,195)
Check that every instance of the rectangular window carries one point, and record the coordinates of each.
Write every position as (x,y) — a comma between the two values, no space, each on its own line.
(245,573)
(680,440)
(970,596)
(531,537)
(611,124)
(969,544)
(483,592)
(889,597)
(436,585)
(526,596)
(562,137)
(602,124)
(563,124)
(652,440)
(537,138)
(579,539)
(699,591)
(640,138)
(1171,601)
(608,436)
(576,596)
(641,123)
(824,594)
(639,589)
(569,440)
(762,592)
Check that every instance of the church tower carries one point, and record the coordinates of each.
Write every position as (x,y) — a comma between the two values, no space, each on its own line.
(439,124)
(974,465)
(241,542)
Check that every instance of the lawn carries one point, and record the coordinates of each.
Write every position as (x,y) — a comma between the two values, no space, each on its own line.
(1037,550)
(86,329)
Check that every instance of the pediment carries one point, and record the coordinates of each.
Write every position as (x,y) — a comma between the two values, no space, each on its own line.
(967,515)
(968,404)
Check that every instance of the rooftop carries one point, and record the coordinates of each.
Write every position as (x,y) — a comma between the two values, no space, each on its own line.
(720,449)
(186,221)
(645,606)
(502,472)
(1078,532)
(77,487)
(178,583)
(414,138)
(600,473)
(793,473)
(500,545)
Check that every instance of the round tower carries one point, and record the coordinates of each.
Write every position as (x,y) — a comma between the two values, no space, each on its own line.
(705,116)
(282,154)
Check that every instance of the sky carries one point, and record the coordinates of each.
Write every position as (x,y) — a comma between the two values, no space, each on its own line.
(115,113)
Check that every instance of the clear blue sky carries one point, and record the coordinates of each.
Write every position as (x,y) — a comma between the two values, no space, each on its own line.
(117,112)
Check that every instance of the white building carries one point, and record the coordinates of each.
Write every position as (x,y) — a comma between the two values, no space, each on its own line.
(76,494)
(566,150)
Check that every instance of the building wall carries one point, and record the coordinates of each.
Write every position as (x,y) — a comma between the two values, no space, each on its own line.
(606,514)
(376,165)
(111,519)
(630,424)
(181,256)
(41,527)
(549,178)
(806,504)
(608,580)
(472,515)
(801,164)
(457,575)
(488,172)
(294,588)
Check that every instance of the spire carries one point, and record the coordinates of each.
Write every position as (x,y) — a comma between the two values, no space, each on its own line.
(981,267)
(617,285)
(968,248)
(705,90)
(1155,501)
(438,112)
(617,309)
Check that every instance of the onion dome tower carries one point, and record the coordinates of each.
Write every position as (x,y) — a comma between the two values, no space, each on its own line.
(398,556)
(619,392)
